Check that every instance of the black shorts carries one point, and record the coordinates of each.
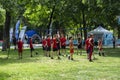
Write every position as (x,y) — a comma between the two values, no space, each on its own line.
(44,48)
(79,46)
(55,49)
(31,49)
(63,47)
(88,51)
(58,46)
(48,48)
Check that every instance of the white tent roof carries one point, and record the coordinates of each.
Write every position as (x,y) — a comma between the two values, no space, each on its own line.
(100,30)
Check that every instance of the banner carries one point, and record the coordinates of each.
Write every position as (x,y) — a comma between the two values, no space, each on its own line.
(22,32)
(17,29)
(11,34)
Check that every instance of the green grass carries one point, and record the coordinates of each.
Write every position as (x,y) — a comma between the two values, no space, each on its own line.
(44,68)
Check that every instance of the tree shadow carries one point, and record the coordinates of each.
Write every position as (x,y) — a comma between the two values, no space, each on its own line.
(110,52)
(13,58)
(4,76)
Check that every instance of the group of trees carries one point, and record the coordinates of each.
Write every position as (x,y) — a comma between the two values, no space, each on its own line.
(69,16)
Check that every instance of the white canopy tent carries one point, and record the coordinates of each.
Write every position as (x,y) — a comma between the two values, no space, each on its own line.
(102,33)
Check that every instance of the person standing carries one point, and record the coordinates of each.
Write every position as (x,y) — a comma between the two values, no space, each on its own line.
(31,47)
(100,48)
(20,48)
(114,41)
(63,44)
(91,46)
(48,40)
(44,45)
(54,47)
(58,44)
(71,45)
(14,42)
(79,46)
(87,47)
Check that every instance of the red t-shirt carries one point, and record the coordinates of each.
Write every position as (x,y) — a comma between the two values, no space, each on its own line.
(92,42)
(20,45)
(48,42)
(44,42)
(31,45)
(87,43)
(54,41)
(63,41)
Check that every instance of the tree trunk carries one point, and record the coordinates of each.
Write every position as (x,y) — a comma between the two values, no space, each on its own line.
(118,32)
(81,30)
(84,25)
(51,17)
(6,29)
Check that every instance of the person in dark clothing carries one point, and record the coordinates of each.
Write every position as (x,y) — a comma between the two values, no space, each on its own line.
(14,42)
(79,45)
(58,44)
(113,41)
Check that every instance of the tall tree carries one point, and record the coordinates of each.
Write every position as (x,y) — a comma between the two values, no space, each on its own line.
(10,11)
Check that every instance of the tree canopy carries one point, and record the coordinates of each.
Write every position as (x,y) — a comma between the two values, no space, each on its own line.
(68,16)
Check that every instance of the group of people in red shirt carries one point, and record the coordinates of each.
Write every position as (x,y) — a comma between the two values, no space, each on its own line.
(20,47)
(56,43)
(58,46)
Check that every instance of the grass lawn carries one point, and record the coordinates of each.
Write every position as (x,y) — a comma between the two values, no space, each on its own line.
(44,68)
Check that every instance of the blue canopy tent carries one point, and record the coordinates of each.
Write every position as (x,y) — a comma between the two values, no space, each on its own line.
(102,33)
(32,34)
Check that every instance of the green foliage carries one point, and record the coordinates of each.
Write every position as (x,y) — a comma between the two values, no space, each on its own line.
(37,15)
(2,16)
(67,13)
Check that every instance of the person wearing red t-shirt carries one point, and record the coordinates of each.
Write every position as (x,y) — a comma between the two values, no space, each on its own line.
(48,40)
(63,44)
(87,47)
(91,46)
(20,48)
(31,47)
(100,48)
(44,45)
(71,45)
(54,47)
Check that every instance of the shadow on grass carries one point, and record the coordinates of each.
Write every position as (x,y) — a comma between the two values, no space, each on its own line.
(13,57)
(110,52)
(4,76)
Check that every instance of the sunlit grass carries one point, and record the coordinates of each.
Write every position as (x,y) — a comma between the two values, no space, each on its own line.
(40,67)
